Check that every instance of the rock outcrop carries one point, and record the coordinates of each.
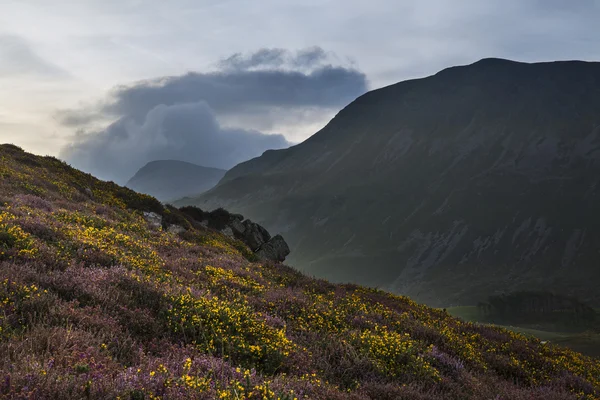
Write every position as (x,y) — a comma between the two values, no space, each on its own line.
(252,234)
(153,219)
(275,249)
(235,226)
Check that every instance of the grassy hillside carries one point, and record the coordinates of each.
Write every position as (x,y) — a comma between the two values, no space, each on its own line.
(95,303)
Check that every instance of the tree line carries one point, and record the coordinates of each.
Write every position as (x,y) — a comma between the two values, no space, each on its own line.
(539,307)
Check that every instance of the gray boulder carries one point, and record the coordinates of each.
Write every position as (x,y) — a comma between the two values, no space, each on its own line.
(153,219)
(227,232)
(254,235)
(176,229)
(237,227)
(275,249)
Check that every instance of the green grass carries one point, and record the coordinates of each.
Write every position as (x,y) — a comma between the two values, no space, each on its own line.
(584,342)
(467,313)
(540,334)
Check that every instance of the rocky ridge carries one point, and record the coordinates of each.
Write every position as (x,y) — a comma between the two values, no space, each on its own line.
(234,226)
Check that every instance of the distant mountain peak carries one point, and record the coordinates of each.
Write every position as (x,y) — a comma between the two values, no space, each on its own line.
(172,161)
(169,180)
(495,61)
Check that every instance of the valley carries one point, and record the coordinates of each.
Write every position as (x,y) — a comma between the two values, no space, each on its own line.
(585,342)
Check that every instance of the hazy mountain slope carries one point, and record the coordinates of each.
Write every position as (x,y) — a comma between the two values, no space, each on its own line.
(170,179)
(478,179)
(98,302)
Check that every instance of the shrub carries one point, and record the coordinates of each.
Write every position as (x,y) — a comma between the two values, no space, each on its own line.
(228,329)
(12,148)
(194,212)
(172,216)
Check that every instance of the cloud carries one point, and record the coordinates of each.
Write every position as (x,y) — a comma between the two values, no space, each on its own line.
(188,132)
(18,58)
(232,92)
(77,118)
(250,83)
(263,57)
(308,58)
(101,42)
(264,91)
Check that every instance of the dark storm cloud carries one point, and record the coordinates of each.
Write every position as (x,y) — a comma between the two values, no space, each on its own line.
(232,90)
(238,87)
(187,132)
(274,58)
(181,117)
(310,57)
(263,57)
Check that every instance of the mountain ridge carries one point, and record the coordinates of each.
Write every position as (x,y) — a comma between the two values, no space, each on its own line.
(441,178)
(486,62)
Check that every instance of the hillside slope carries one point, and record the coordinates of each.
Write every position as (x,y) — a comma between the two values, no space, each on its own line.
(171,180)
(96,302)
(477,180)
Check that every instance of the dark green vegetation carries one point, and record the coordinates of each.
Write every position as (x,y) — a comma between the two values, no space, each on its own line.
(479,179)
(171,180)
(586,341)
(544,315)
(97,302)
(540,308)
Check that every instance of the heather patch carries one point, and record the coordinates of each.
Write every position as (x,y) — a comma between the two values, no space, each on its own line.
(95,303)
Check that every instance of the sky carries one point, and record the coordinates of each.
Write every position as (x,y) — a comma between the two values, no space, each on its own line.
(110,85)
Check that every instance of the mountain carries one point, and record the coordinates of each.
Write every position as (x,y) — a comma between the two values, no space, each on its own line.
(170,179)
(479,180)
(99,301)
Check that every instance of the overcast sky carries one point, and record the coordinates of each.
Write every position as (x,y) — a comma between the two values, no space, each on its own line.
(190,78)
